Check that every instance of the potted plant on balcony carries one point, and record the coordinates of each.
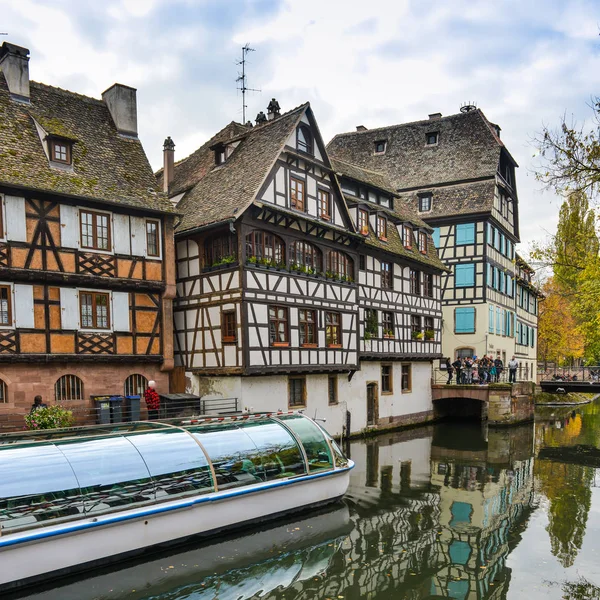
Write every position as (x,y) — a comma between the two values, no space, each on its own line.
(429,334)
(388,334)
(417,335)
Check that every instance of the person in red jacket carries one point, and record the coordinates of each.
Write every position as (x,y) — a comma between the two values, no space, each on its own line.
(152,401)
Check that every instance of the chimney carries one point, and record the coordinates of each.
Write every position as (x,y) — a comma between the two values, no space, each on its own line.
(121,102)
(260,118)
(273,110)
(361,128)
(434,116)
(14,63)
(168,163)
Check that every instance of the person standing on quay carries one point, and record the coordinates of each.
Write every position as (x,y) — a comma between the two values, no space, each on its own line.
(450,370)
(152,401)
(513,365)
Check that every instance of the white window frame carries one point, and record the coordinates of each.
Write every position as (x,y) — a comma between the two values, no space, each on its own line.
(13,324)
(160,240)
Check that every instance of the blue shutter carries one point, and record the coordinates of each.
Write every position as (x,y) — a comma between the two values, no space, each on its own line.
(491,317)
(465,320)
(502,282)
(465,234)
(502,244)
(464,275)
(498,320)
(436,237)
(490,235)
(489,275)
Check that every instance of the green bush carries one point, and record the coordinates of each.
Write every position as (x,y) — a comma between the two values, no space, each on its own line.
(52,417)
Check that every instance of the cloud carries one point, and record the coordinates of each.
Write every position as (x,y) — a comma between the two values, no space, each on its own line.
(375,63)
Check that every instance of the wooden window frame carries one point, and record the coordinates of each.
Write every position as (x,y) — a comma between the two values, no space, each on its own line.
(363,221)
(324,203)
(422,242)
(306,326)
(407,237)
(428,285)
(9,307)
(388,324)
(382,228)
(389,389)
(332,379)
(416,326)
(295,405)
(309,140)
(333,330)
(52,144)
(387,276)
(340,264)
(406,375)
(306,250)
(73,379)
(228,329)
(94,296)
(155,222)
(422,199)
(257,239)
(362,262)
(300,188)
(277,320)
(95,215)
(415,282)
(131,384)
(218,246)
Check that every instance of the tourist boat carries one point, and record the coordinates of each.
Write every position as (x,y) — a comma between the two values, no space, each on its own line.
(73,499)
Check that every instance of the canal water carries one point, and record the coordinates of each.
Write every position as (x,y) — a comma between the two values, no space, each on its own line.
(444,511)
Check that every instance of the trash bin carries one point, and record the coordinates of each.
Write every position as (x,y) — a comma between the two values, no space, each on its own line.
(110,409)
(131,410)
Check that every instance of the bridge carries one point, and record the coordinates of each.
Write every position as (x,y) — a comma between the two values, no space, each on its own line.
(571,379)
(498,403)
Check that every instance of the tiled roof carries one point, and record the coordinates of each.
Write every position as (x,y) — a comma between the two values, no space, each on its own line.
(468,148)
(225,191)
(373,178)
(106,166)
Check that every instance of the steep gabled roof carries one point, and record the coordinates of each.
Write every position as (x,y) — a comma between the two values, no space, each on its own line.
(107,167)
(467,149)
(225,191)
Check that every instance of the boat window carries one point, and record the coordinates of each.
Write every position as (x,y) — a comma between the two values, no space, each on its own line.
(38,485)
(314,442)
(340,460)
(110,471)
(280,454)
(235,457)
(175,461)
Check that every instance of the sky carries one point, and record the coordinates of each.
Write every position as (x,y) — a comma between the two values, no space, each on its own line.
(525,63)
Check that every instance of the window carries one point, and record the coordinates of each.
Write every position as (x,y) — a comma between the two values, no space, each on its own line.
(135,385)
(95,230)
(60,151)
(386,276)
(278,326)
(265,247)
(325,205)
(5,305)
(339,264)
(220,249)
(94,309)
(428,285)
(498,320)
(228,327)
(363,221)
(465,234)
(407,236)
(491,320)
(415,282)
(333,329)
(422,242)
(371,323)
(68,387)
(304,139)
(297,194)
(387,323)
(491,234)
(436,237)
(464,320)
(380,146)
(297,392)
(307,325)
(3,395)
(152,238)
(432,138)
(415,327)
(306,255)
(382,228)
(220,155)
(425,202)
(464,275)
(332,389)
(406,378)
(429,328)
(362,262)
(386,379)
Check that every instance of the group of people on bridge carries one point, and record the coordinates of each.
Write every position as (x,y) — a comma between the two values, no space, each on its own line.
(474,370)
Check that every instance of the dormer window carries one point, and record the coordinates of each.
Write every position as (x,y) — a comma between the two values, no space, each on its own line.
(432,138)
(382,228)
(423,242)
(425,202)
(380,146)
(407,236)
(363,221)
(60,151)
(304,139)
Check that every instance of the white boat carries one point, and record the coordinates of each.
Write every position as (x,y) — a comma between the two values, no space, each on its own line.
(74,499)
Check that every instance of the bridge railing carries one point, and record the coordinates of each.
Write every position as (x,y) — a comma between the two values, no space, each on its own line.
(440,376)
(587,374)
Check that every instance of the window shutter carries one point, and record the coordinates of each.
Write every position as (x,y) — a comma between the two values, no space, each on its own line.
(465,233)
(16,228)
(24,306)
(122,234)
(498,320)
(69,226)
(120,311)
(491,318)
(436,237)
(465,320)
(138,236)
(69,308)
(464,275)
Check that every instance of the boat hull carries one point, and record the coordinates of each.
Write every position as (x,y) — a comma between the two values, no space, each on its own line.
(60,550)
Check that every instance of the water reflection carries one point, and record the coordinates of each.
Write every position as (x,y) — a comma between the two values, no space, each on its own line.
(434,512)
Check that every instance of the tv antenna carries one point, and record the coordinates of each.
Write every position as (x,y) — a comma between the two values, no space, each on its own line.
(242,80)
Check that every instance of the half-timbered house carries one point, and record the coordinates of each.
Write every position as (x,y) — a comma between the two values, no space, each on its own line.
(86,244)
(456,174)
(268,258)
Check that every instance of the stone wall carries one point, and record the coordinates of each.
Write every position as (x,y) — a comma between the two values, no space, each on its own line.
(510,404)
